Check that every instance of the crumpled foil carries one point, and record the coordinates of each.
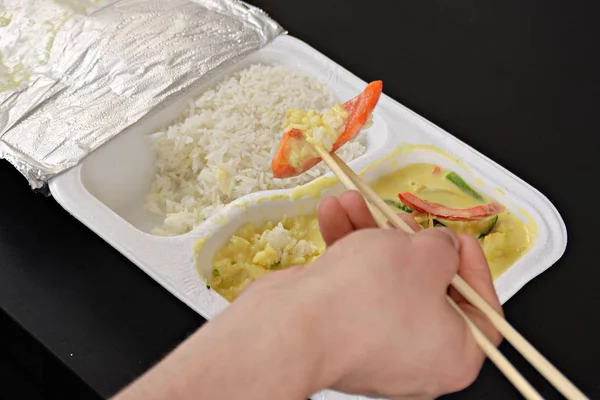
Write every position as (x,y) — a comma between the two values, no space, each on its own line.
(76,73)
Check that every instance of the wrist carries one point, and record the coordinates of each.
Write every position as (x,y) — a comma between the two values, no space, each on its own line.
(306,308)
(275,338)
(296,320)
(292,322)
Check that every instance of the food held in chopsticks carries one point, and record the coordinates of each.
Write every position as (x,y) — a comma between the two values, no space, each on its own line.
(436,198)
(252,252)
(332,129)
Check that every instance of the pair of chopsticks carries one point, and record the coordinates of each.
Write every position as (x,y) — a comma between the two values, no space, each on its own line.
(354,182)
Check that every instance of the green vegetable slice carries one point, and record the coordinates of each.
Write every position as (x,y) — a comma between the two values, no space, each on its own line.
(398,205)
(478,228)
(462,185)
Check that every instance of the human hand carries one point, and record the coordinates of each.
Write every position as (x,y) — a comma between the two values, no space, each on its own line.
(369,317)
(413,343)
(385,326)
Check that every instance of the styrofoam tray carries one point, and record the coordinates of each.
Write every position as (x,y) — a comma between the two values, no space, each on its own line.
(106,191)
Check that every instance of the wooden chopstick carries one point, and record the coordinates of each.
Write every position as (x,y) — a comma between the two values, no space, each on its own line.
(530,353)
(544,367)
(353,182)
(492,352)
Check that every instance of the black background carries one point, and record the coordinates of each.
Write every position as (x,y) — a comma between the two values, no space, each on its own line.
(515,79)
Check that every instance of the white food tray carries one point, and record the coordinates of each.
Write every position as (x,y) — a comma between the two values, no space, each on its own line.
(106,191)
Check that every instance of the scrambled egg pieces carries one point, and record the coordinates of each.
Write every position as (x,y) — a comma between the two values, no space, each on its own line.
(324,129)
(252,252)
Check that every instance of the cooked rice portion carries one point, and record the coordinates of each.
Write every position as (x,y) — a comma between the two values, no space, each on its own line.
(221,147)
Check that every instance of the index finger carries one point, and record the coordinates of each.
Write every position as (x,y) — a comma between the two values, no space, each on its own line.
(357,210)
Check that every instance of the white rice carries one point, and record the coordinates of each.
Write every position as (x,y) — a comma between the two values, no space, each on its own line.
(221,147)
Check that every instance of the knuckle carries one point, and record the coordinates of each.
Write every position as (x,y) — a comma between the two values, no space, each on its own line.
(439,241)
(449,236)
(434,249)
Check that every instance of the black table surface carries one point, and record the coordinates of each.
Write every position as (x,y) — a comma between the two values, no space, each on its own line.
(514,79)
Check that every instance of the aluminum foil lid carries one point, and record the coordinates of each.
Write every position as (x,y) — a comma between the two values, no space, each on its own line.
(76,73)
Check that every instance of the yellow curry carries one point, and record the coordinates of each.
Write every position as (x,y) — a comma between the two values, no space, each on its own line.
(252,251)
(503,236)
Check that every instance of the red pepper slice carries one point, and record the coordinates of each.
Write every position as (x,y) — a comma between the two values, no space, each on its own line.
(436,170)
(359,110)
(454,214)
